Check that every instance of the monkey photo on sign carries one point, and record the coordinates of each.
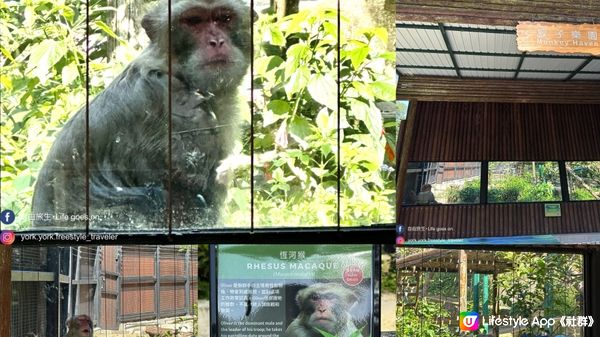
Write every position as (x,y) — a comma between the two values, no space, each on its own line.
(185,80)
(323,306)
(79,326)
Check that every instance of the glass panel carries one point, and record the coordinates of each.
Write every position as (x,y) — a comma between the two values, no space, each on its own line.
(523,181)
(432,183)
(584,180)
(369,113)
(210,118)
(43,85)
(295,117)
(128,129)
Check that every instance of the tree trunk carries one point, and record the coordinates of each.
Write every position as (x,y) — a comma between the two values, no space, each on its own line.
(286,7)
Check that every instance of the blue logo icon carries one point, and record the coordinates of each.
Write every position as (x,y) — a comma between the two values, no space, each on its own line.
(399,229)
(7,216)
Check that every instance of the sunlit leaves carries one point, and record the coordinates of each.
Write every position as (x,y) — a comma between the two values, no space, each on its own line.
(43,62)
(306,98)
(323,89)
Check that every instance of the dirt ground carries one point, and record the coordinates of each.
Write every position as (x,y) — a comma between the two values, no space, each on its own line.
(388,312)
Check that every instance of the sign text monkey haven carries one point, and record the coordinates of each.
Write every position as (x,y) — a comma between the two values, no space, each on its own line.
(558,37)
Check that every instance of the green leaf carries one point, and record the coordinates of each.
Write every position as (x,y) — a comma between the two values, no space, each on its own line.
(325,333)
(294,23)
(276,110)
(22,183)
(69,74)
(299,128)
(381,33)
(358,55)
(297,82)
(330,29)
(241,198)
(384,90)
(44,55)
(388,55)
(279,107)
(6,54)
(106,29)
(323,89)
(364,90)
(297,51)
(266,63)
(275,36)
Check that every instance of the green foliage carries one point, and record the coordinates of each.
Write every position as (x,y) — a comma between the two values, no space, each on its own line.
(296,124)
(356,333)
(468,193)
(43,79)
(43,82)
(426,322)
(519,188)
(523,182)
(541,285)
(203,272)
(584,180)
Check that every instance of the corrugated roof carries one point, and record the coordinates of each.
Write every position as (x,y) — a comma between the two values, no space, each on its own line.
(468,50)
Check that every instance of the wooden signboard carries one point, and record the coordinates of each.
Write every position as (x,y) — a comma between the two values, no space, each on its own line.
(558,37)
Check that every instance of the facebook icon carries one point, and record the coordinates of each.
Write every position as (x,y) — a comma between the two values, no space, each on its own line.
(7,216)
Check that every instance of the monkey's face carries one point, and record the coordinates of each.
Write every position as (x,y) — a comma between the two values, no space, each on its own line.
(80,326)
(211,45)
(325,311)
(325,306)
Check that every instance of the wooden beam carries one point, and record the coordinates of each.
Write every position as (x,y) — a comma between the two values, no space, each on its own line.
(402,164)
(436,88)
(462,281)
(497,12)
(5,289)
(32,276)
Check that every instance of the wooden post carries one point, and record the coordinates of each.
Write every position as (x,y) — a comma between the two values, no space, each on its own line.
(476,292)
(286,7)
(495,300)
(462,280)
(486,296)
(404,147)
(591,276)
(5,289)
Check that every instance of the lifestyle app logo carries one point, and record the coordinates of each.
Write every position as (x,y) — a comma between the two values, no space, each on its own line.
(468,321)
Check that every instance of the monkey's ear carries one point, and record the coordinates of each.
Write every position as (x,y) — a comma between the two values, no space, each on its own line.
(149,26)
(350,297)
(300,297)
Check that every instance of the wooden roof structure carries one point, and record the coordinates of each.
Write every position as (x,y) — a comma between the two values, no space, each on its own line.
(446,260)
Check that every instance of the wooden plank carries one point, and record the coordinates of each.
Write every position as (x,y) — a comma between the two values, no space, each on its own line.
(436,88)
(462,280)
(523,132)
(32,276)
(513,219)
(497,12)
(403,159)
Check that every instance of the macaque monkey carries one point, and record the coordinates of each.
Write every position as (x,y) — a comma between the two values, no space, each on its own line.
(158,132)
(79,326)
(323,306)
